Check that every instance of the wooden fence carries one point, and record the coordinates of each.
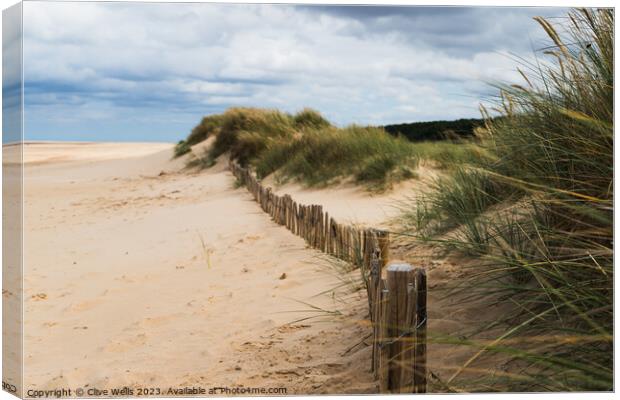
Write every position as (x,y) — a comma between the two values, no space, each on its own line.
(396,292)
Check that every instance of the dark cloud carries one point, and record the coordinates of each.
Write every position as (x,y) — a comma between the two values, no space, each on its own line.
(368,12)
(459,30)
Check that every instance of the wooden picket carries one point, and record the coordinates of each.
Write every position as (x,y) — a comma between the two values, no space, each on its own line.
(396,291)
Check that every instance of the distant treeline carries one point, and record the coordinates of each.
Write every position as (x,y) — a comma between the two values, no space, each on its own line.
(435,130)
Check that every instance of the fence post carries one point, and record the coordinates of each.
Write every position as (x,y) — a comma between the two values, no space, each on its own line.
(383,241)
(398,278)
(326,231)
(374,288)
(420,340)
(383,340)
(408,340)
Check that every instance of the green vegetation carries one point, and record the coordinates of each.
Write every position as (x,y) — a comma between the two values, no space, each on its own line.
(436,130)
(307,148)
(319,156)
(538,213)
(448,155)
(207,127)
(310,118)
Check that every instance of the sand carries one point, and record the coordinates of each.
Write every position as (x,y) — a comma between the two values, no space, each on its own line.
(140,274)
(358,205)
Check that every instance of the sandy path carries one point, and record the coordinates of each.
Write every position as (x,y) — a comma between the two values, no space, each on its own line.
(139,278)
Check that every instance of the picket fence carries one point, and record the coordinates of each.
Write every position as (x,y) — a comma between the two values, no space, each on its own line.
(396,291)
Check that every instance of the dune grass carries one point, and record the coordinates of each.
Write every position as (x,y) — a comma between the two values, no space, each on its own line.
(307,148)
(208,126)
(538,213)
(319,156)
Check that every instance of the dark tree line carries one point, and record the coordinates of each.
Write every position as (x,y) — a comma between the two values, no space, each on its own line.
(435,130)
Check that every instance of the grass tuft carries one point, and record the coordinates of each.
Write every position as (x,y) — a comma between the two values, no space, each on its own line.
(538,212)
(312,119)
(208,126)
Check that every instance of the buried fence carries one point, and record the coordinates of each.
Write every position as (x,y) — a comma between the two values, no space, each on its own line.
(397,302)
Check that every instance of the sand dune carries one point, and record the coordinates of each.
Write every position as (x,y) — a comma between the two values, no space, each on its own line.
(137,274)
(354,204)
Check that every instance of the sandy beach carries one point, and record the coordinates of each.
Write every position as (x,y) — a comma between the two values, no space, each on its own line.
(139,274)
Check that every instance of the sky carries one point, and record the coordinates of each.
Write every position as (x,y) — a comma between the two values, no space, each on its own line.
(150,71)
(11,75)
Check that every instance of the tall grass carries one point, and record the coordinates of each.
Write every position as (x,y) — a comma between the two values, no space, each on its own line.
(307,148)
(539,213)
(319,156)
(245,132)
(309,118)
(208,126)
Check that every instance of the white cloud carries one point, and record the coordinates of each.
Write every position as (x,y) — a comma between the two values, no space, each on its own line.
(197,58)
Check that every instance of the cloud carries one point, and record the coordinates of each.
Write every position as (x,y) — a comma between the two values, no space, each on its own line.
(462,31)
(144,63)
(11,75)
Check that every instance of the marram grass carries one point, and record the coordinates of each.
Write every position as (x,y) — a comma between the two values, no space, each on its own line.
(307,148)
(538,214)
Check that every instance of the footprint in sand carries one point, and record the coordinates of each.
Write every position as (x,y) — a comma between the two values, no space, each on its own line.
(151,322)
(288,284)
(133,279)
(251,238)
(56,382)
(85,305)
(39,296)
(128,344)
(291,328)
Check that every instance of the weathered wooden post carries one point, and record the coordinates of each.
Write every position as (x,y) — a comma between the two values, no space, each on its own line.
(321,228)
(408,340)
(326,233)
(419,373)
(383,338)
(398,278)
(375,286)
(383,241)
(296,217)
